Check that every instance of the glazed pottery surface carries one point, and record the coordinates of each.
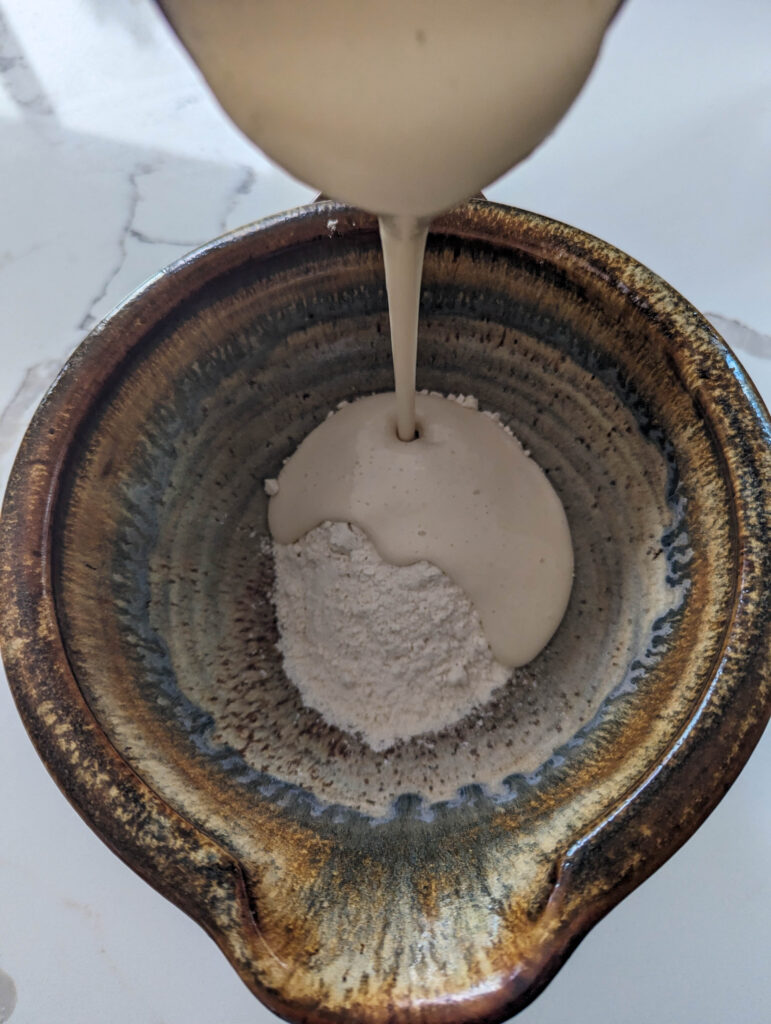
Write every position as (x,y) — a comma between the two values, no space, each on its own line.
(447,878)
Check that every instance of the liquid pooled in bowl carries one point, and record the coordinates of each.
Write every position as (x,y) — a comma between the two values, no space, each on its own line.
(463,495)
(406,108)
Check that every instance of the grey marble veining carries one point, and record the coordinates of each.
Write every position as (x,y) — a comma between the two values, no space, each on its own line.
(18,77)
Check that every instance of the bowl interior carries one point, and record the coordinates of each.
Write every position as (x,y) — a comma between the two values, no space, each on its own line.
(164,576)
(419,875)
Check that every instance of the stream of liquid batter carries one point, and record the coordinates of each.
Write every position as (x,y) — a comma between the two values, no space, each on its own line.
(404,244)
(405,108)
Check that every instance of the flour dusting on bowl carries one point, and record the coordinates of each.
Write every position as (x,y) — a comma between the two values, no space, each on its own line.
(382,650)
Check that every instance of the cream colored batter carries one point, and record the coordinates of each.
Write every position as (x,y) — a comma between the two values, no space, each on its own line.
(397,106)
(464,496)
(406,108)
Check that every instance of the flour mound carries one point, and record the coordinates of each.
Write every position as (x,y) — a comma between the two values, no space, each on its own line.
(385,651)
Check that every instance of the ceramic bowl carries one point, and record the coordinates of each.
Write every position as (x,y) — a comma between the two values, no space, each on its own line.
(446,879)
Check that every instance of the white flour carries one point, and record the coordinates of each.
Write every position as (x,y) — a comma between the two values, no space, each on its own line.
(381,650)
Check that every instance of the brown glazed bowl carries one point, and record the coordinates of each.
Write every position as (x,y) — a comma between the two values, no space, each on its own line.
(447,879)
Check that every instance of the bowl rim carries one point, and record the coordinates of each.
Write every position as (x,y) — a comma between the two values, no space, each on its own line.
(112,798)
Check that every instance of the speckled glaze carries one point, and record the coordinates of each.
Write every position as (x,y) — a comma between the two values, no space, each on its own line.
(445,880)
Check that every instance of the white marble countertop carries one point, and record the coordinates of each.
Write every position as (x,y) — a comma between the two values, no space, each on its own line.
(113,162)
